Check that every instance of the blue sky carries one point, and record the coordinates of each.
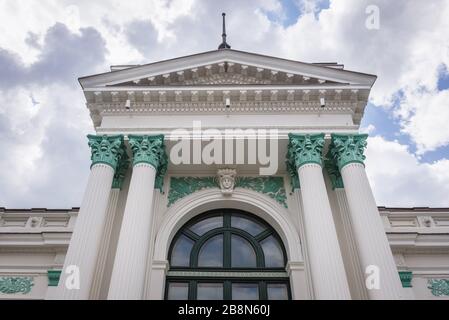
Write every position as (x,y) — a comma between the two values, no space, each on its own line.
(46,45)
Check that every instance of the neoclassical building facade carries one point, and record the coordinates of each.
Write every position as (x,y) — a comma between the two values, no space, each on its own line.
(226,175)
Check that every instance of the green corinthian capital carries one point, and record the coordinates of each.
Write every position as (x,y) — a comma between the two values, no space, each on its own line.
(120,173)
(303,149)
(106,149)
(346,149)
(150,150)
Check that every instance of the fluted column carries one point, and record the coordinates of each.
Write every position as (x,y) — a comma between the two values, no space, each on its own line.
(111,210)
(372,244)
(149,165)
(348,244)
(328,273)
(85,242)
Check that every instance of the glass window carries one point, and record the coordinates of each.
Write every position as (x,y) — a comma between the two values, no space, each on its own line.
(178,291)
(210,291)
(277,291)
(214,258)
(243,254)
(211,253)
(206,225)
(274,258)
(247,225)
(245,291)
(181,252)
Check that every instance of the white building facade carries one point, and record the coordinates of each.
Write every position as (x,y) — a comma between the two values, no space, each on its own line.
(226,175)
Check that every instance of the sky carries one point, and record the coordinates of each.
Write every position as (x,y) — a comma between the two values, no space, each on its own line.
(46,45)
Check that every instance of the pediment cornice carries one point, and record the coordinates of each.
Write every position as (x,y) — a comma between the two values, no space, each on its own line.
(227,67)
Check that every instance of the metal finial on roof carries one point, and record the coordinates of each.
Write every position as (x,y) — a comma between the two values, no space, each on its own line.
(224,45)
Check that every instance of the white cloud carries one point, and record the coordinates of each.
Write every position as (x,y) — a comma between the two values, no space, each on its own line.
(406,54)
(399,179)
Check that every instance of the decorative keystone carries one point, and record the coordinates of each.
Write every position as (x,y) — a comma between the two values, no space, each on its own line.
(150,150)
(106,149)
(226,179)
(333,172)
(303,149)
(120,173)
(346,149)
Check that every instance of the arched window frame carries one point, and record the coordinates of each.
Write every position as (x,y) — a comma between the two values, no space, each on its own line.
(266,276)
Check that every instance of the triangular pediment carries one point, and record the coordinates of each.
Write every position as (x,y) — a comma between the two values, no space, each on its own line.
(227,67)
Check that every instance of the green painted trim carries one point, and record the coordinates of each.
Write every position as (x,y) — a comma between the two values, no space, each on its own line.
(272,186)
(346,149)
(332,171)
(150,150)
(14,285)
(439,287)
(406,278)
(53,277)
(106,149)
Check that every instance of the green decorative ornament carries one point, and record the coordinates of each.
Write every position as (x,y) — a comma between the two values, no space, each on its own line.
(53,277)
(333,172)
(346,149)
(271,186)
(304,149)
(439,287)
(406,278)
(14,285)
(181,187)
(120,173)
(150,150)
(293,173)
(106,149)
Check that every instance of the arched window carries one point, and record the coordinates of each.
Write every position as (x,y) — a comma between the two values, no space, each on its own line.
(227,254)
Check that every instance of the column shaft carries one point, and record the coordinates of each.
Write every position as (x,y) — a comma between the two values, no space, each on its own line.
(86,237)
(105,240)
(128,275)
(369,232)
(328,273)
(357,284)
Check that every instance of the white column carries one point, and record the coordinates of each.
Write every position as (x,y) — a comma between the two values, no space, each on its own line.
(372,244)
(128,275)
(354,266)
(80,261)
(328,272)
(369,232)
(325,259)
(105,239)
(130,265)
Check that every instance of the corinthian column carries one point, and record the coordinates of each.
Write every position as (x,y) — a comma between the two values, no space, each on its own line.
(372,244)
(149,165)
(111,211)
(327,269)
(79,264)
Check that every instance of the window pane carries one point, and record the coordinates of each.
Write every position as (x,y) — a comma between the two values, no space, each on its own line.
(210,291)
(242,253)
(274,258)
(178,291)
(211,253)
(180,256)
(206,225)
(245,291)
(277,291)
(247,225)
